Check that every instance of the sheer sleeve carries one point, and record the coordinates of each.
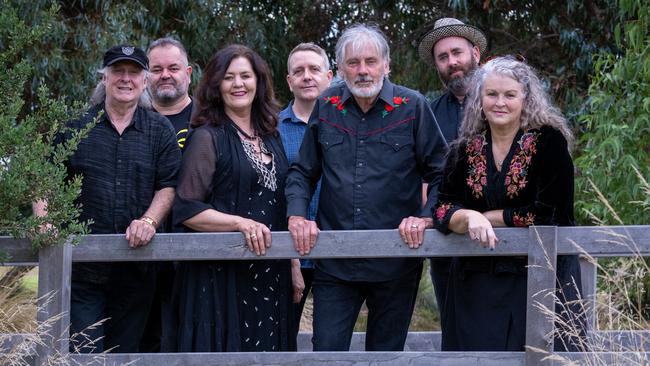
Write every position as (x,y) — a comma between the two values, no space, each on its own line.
(553,203)
(196,175)
(450,192)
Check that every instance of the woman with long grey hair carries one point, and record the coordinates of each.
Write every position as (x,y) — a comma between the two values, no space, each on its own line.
(511,166)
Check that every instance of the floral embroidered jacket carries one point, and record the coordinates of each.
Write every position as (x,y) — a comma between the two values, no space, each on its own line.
(535,185)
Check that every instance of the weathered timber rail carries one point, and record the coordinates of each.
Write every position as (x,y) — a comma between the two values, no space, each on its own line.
(541,244)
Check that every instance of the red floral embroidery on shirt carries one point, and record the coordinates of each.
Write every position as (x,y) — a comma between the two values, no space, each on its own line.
(335,100)
(397,101)
(528,220)
(515,179)
(477,172)
(441,211)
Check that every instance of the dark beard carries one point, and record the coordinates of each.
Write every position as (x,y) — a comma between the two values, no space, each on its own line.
(459,85)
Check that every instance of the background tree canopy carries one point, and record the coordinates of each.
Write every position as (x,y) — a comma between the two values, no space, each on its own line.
(571,42)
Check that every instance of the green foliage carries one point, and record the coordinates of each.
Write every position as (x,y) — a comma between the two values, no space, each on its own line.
(72,50)
(31,168)
(558,38)
(613,150)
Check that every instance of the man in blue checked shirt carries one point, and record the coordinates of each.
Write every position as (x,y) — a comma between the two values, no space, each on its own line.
(308,75)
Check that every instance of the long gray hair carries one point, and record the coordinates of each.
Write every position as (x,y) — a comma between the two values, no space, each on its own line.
(537,109)
(99,93)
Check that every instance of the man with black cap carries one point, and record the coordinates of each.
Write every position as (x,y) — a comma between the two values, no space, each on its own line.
(128,162)
(454,49)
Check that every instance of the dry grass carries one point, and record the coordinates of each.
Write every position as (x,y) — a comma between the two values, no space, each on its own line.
(618,304)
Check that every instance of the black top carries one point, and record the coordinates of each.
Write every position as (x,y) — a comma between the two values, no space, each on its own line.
(181,123)
(449,113)
(534,186)
(372,166)
(121,173)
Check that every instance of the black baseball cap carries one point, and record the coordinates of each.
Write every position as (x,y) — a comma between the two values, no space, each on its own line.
(126,52)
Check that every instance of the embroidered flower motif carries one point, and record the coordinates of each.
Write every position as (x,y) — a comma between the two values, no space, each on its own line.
(335,100)
(528,220)
(441,211)
(477,172)
(515,179)
(397,101)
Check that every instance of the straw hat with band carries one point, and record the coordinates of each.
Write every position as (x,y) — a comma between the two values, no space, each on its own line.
(450,27)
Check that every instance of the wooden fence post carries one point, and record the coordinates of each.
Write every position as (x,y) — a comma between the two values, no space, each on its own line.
(589,275)
(55,266)
(542,258)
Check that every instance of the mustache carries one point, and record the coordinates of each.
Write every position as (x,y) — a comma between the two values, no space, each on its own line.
(362,79)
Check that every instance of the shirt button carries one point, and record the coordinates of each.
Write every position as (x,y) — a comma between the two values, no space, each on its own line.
(361,141)
(119,160)
(117,183)
(363,119)
(360,164)
(358,210)
(358,185)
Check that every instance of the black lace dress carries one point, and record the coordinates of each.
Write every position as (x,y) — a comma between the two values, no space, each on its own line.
(232,306)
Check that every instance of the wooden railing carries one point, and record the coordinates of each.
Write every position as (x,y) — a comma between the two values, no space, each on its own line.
(540,244)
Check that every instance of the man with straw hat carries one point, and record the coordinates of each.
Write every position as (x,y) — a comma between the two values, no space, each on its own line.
(454,49)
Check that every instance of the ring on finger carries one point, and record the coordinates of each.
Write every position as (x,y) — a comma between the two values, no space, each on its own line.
(253,236)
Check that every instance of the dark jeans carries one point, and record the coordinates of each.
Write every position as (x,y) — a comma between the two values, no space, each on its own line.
(123,301)
(337,304)
(439,270)
(308,277)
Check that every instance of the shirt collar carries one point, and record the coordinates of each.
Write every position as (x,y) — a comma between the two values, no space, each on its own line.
(137,120)
(451,98)
(385,94)
(287,115)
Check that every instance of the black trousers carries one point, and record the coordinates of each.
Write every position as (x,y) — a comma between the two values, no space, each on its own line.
(337,304)
(159,328)
(122,303)
(308,277)
(439,271)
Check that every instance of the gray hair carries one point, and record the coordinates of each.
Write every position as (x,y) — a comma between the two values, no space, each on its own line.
(537,110)
(309,46)
(166,42)
(98,95)
(357,36)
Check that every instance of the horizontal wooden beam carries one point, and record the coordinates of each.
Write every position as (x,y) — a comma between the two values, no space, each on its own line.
(306,358)
(17,252)
(610,341)
(598,241)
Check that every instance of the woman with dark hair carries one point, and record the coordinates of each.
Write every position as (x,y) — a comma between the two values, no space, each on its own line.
(510,166)
(232,179)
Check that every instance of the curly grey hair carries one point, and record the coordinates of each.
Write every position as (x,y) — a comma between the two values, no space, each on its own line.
(537,111)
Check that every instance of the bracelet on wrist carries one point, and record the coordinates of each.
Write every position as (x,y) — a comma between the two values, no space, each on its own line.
(149,221)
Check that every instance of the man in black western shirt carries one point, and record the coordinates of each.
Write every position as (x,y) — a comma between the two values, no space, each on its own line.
(372,143)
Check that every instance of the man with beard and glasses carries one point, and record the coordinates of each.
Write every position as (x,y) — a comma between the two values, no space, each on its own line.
(372,143)
(169,80)
(454,49)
